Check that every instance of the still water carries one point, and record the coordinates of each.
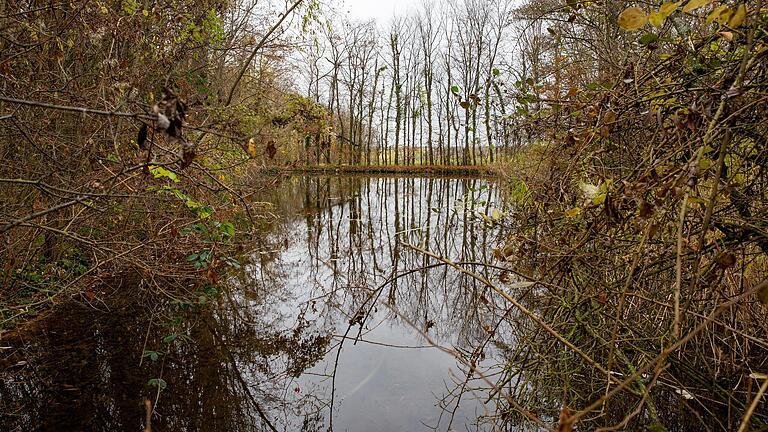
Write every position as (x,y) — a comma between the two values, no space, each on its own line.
(335,319)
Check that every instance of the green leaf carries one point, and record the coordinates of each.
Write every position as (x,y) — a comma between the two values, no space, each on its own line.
(160,172)
(648,39)
(211,291)
(205,255)
(158,382)
(232,262)
(152,355)
(170,338)
(204,212)
(228,229)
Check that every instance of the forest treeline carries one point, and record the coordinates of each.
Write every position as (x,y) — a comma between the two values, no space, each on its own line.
(633,136)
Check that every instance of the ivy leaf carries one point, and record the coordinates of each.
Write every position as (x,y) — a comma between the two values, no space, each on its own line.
(695,4)
(632,18)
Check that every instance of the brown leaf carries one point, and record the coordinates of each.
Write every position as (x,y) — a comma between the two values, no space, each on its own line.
(271,150)
(646,209)
(762,295)
(565,424)
(726,35)
(602,298)
(726,260)
(213,276)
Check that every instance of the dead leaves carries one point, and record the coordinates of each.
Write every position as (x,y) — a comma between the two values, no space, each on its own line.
(169,118)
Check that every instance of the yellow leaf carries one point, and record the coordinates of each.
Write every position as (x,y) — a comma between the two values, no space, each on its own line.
(656,19)
(145,12)
(716,14)
(667,8)
(738,17)
(695,4)
(572,213)
(598,199)
(632,18)
(251,149)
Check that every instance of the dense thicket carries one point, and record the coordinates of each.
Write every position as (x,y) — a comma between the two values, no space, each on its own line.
(124,134)
(642,213)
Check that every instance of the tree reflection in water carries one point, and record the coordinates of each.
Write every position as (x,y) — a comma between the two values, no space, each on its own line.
(339,240)
(263,356)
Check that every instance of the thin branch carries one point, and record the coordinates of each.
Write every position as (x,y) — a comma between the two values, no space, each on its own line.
(258,47)
(81,110)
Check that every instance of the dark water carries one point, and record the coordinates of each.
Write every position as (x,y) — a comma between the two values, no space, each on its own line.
(265,349)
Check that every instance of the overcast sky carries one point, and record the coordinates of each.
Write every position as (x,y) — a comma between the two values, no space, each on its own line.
(380,10)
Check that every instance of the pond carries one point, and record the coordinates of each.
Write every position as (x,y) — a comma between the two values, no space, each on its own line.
(337,320)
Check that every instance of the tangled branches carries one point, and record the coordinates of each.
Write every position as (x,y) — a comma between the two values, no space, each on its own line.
(647,220)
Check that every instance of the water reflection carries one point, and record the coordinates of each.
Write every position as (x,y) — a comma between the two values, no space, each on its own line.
(268,355)
(339,241)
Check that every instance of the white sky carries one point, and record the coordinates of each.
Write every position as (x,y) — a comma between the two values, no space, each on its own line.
(380,10)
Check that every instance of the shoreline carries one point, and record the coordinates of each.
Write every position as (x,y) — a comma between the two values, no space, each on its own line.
(480,170)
